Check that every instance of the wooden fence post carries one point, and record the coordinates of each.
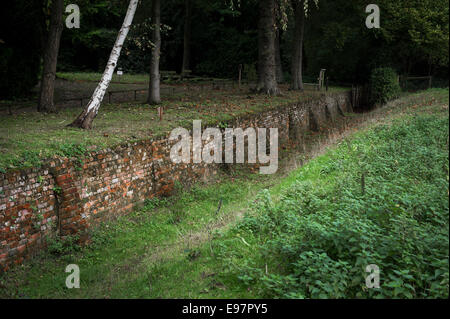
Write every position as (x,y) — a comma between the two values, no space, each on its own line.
(160,113)
(240,75)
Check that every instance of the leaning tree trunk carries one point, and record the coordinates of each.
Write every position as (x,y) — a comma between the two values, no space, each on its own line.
(85,119)
(154,96)
(46,103)
(267,82)
(187,37)
(297,55)
(279,70)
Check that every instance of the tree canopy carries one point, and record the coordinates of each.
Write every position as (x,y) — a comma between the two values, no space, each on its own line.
(413,39)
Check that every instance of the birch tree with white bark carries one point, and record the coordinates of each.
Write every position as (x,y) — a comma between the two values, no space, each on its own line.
(85,119)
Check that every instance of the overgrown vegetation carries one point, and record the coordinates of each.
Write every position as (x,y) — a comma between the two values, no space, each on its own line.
(380,197)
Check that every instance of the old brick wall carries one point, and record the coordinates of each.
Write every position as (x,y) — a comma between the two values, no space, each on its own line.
(67,196)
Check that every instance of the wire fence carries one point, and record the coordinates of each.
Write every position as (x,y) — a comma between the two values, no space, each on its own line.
(141,93)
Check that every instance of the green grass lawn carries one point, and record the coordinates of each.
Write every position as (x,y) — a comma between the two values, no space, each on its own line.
(378,197)
(130,78)
(95,77)
(28,137)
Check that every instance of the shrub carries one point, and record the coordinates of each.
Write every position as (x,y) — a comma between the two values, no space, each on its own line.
(384,85)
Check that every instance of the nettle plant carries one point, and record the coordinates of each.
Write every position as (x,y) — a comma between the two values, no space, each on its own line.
(318,239)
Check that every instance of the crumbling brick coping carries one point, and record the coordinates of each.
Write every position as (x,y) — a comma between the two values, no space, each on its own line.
(67,196)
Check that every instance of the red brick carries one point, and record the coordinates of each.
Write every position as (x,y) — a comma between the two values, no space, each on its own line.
(155,176)
(21,249)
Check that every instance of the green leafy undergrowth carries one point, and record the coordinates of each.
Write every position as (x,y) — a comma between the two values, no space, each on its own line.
(380,198)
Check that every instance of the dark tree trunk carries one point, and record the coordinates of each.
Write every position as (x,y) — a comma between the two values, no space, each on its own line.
(430,65)
(297,52)
(267,82)
(46,103)
(280,77)
(409,67)
(187,37)
(154,96)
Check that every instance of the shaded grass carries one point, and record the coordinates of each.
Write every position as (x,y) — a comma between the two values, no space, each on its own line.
(120,260)
(95,77)
(27,138)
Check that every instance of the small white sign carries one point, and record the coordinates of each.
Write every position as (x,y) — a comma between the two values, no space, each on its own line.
(119,72)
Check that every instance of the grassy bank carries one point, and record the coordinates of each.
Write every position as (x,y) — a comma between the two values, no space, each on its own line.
(378,197)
